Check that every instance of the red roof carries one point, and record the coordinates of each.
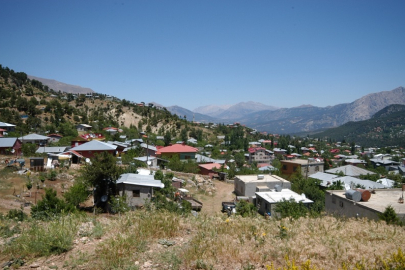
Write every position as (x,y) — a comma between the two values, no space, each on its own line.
(210,166)
(177,148)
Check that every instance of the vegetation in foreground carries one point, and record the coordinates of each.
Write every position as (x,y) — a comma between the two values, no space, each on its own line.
(166,240)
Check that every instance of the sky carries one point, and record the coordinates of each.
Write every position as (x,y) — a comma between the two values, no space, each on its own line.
(199,52)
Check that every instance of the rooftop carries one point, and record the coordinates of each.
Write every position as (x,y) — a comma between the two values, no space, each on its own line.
(255,178)
(380,200)
(285,194)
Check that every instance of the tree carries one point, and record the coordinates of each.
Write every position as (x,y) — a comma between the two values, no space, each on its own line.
(102,175)
(167,138)
(390,217)
(77,194)
(291,209)
(246,209)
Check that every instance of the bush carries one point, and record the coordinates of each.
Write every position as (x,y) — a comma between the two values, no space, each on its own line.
(50,206)
(246,209)
(15,214)
(291,209)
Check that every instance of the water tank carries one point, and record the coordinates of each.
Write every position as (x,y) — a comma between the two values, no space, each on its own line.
(353,195)
(260,176)
(365,194)
(278,188)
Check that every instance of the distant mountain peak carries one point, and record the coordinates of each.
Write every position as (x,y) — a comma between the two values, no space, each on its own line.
(64,87)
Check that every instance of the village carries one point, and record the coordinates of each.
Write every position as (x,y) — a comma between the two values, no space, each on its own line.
(347,190)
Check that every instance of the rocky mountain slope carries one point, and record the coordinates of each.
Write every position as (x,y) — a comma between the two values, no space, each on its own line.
(64,87)
(309,118)
(231,112)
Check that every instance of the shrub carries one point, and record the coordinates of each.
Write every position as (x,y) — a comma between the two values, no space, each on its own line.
(50,206)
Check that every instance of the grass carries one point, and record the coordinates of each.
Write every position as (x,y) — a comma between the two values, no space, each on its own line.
(211,242)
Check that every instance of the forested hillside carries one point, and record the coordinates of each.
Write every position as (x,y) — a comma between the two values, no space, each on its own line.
(34,107)
(385,128)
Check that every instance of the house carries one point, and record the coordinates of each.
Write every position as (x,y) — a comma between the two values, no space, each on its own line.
(34,139)
(49,149)
(83,128)
(137,188)
(279,151)
(350,182)
(355,162)
(259,155)
(149,161)
(89,149)
(54,137)
(192,141)
(184,152)
(340,202)
(150,150)
(7,127)
(209,168)
(248,185)
(350,170)
(2,132)
(305,166)
(267,201)
(10,146)
(383,162)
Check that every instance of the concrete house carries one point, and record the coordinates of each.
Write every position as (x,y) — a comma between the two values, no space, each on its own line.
(248,185)
(137,188)
(337,202)
(184,152)
(259,155)
(83,128)
(305,166)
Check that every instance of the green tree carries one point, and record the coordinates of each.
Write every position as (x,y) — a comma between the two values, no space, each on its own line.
(102,175)
(246,209)
(77,194)
(390,217)
(291,209)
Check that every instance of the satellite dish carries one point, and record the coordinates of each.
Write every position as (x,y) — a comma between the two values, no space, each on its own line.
(12,151)
(149,162)
(104,198)
(87,160)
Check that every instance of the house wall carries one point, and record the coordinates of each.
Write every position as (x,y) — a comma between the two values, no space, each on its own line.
(344,207)
(182,156)
(289,168)
(260,156)
(248,189)
(145,193)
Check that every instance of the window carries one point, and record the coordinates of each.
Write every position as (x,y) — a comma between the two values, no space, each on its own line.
(136,193)
(295,168)
(317,168)
(284,167)
(333,199)
(341,204)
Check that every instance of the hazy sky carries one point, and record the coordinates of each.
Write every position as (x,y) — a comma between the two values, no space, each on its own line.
(199,52)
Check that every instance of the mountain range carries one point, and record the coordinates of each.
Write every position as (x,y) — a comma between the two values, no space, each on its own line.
(63,87)
(271,119)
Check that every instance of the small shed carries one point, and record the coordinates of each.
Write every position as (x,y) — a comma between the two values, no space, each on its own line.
(37,164)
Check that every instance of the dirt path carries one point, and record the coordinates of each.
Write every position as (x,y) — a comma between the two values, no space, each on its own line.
(213,204)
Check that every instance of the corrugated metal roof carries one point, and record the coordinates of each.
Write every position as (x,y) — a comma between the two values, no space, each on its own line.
(140,180)
(350,170)
(94,146)
(3,124)
(53,149)
(7,142)
(33,137)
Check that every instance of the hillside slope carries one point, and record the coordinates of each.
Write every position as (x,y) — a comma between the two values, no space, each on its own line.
(385,128)
(299,119)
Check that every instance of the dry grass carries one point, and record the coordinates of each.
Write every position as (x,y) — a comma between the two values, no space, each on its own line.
(133,241)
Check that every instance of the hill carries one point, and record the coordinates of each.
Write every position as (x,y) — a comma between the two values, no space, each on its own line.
(308,118)
(64,87)
(385,128)
(232,112)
